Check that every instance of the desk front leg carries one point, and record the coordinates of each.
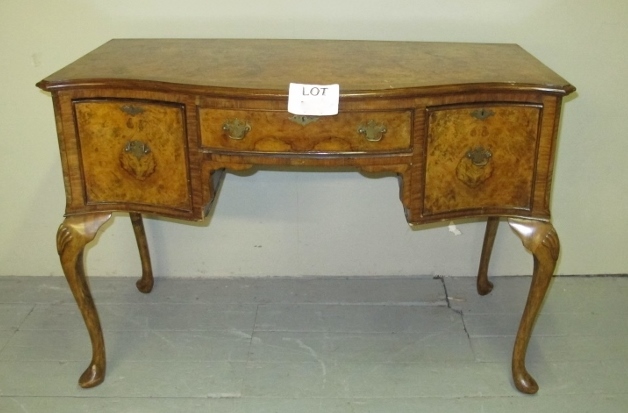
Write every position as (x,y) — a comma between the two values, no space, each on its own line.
(541,239)
(73,234)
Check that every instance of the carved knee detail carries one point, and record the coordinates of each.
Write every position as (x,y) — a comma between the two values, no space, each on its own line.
(534,234)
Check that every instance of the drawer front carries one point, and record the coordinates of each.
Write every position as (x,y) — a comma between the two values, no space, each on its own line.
(133,152)
(280,131)
(480,157)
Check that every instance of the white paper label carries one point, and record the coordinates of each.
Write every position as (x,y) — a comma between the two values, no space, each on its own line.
(313,100)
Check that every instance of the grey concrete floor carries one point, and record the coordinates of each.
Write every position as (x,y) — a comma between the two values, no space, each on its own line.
(329,345)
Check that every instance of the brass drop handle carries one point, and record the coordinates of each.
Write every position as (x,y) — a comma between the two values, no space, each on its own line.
(479,156)
(138,160)
(236,129)
(372,131)
(137,148)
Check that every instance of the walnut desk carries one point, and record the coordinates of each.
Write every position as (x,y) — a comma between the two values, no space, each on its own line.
(149,126)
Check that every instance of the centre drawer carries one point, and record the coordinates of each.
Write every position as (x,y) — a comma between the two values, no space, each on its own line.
(275,131)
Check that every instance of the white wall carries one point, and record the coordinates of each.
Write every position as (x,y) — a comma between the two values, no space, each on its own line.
(302,223)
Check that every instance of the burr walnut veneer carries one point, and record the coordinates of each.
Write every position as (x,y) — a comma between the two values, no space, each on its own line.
(149,126)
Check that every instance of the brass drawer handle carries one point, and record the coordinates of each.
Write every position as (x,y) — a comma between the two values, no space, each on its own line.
(474,169)
(236,129)
(372,131)
(138,160)
(479,156)
(137,148)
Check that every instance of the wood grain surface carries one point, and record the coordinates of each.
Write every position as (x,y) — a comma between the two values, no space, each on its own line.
(269,66)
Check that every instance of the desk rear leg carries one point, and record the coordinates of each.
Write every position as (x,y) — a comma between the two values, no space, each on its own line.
(144,284)
(74,233)
(484,286)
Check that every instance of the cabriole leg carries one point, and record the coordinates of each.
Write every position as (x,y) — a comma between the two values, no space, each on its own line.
(541,240)
(484,286)
(144,284)
(73,234)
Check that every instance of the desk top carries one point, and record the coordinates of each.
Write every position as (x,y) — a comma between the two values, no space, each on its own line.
(266,67)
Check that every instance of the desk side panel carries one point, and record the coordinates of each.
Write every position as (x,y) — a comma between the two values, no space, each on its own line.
(63,152)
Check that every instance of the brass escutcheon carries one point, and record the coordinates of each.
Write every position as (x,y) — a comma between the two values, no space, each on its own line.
(303,119)
(132,109)
(482,114)
(236,129)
